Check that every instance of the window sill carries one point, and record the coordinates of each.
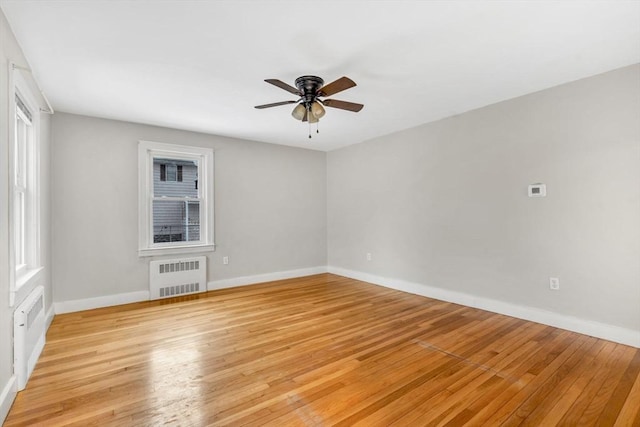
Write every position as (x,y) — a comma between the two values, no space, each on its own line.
(25,282)
(176,250)
(25,276)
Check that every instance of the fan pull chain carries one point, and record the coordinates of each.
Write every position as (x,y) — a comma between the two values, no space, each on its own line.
(309,126)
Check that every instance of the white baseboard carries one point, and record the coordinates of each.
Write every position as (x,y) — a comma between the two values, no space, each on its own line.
(260,278)
(600,330)
(596,329)
(99,302)
(117,299)
(7,397)
(47,321)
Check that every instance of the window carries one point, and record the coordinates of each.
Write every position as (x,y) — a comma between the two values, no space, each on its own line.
(25,223)
(23,131)
(170,171)
(175,212)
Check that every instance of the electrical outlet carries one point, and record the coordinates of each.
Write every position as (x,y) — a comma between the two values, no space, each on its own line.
(225,260)
(554,283)
(368,256)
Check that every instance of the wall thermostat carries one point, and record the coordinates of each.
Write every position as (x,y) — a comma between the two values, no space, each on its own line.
(537,190)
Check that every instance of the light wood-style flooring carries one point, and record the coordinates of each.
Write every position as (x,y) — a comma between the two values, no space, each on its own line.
(322,350)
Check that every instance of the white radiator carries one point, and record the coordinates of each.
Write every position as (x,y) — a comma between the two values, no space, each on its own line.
(175,277)
(28,334)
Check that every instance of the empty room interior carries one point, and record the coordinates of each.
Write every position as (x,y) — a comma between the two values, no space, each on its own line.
(297,213)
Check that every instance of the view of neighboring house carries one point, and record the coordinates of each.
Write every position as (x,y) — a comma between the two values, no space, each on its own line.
(176,208)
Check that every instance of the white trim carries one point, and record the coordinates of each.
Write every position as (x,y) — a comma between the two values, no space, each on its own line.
(7,397)
(588,327)
(27,275)
(49,109)
(267,277)
(50,315)
(126,298)
(18,86)
(24,285)
(597,329)
(147,150)
(176,250)
(99,302)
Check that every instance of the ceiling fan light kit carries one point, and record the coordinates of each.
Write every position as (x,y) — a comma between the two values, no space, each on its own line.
(318,110)
(312,119)
(299,112)
(310,89)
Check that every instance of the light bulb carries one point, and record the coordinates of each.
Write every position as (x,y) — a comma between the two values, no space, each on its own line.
(298,112)
(317,109)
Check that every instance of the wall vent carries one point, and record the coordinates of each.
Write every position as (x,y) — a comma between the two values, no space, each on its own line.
(175,266)
(29,335)
(170,278)
(170,291)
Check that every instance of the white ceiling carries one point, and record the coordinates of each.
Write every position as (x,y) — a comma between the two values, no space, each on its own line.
(200,65)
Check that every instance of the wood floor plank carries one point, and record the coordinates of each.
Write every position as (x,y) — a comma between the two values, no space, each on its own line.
(613,407)
(561,402)
(598,405)
(607,361)
(322,350)
(629,415)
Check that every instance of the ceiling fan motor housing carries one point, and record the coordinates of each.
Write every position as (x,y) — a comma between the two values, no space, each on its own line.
(308,86)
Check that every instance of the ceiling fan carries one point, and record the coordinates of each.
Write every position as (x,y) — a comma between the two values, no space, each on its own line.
(310,89)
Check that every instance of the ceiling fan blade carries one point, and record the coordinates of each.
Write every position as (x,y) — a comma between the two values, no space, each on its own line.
(339,85)
(343,105)
(275,104)
(283,85)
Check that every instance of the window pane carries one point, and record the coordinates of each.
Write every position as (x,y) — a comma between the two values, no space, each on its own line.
(20,188)
(18,227)
(176,221)
(179,180)
(172,172)
(20,160)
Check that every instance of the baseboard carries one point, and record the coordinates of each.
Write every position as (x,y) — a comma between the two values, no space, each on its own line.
(596,329)
(99,302)
(260,278)
(7,397)
(50,314)
(118,299)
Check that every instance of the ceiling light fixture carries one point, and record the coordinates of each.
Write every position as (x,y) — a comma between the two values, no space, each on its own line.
(299,112)
(317,109)
(310,89)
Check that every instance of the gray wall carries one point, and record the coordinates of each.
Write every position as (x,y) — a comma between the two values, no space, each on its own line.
(445,204)
(10,51)
(270,206)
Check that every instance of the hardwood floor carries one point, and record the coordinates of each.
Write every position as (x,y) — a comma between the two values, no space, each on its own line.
(322,350)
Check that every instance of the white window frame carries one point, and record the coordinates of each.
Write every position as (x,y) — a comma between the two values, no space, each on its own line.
(23,273)
(147,151)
